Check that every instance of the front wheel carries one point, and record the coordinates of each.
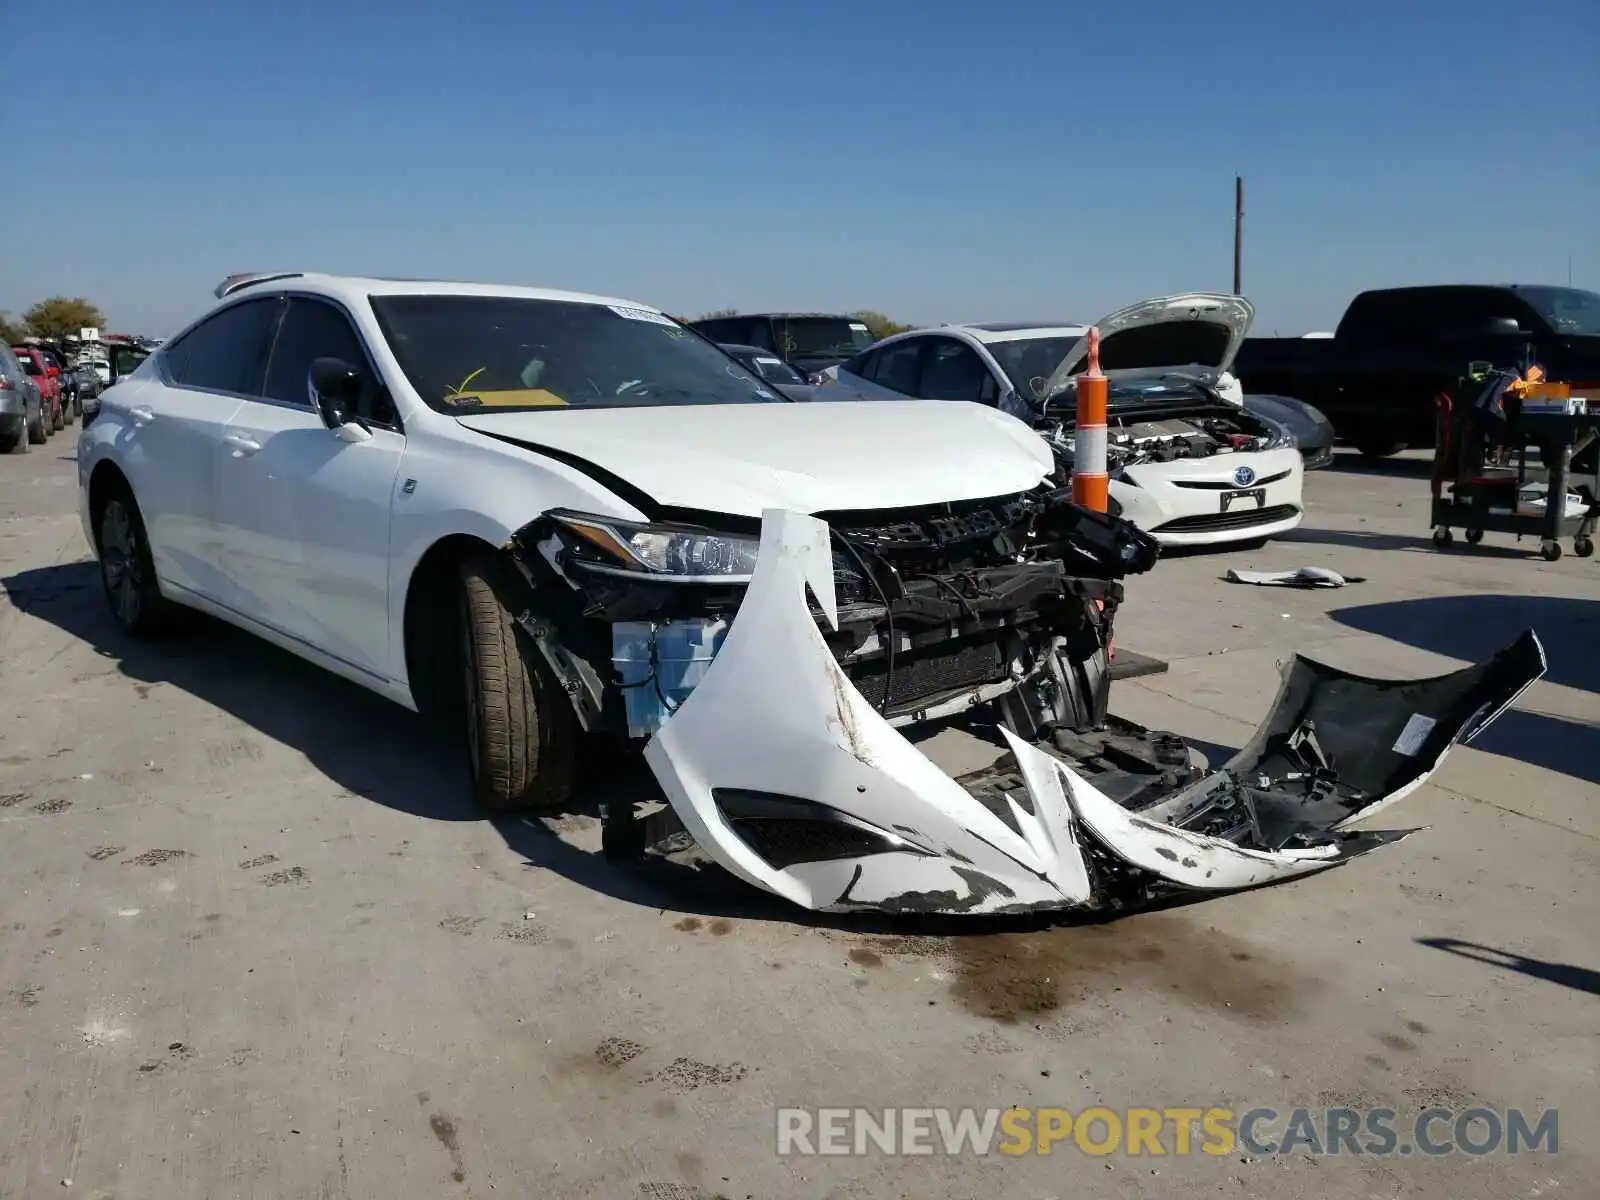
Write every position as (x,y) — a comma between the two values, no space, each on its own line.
(519,725)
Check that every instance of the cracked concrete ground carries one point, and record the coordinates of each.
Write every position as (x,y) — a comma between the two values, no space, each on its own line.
(256,943)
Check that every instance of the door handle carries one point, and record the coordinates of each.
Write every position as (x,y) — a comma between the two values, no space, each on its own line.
(141,415)
(240,444)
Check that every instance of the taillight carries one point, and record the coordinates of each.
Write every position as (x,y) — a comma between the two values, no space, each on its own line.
(5,383)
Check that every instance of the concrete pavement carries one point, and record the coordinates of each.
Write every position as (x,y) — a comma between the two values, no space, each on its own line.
(255,943)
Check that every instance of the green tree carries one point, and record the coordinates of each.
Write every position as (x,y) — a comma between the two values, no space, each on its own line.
(880,325)
(10,331)
(62,315)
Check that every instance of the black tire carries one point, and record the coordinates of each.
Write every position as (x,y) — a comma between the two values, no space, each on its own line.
(38,430)
(15,442)
(521,732)
(58,420)
(1474,536)
(1551,552)
(1583,547)
(1443,538)
(69,412)
(126,569)
(1380,449)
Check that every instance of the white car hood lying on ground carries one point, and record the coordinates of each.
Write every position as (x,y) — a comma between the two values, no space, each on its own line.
(818,457)
(1206,330)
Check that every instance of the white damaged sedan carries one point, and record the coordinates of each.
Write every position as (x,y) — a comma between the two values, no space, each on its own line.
(1187,462)
(553,515)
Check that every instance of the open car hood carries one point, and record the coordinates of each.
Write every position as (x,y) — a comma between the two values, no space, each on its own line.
(1202,329)
(807,457)
(787,776)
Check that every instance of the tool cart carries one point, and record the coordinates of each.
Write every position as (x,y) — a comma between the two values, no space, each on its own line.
(1481,481)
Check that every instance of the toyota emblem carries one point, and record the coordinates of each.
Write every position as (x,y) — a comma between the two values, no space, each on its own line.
(1244,476)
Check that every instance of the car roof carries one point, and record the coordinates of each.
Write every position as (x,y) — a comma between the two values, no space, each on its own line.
(1018,326)
(783,316)
(1014,331)
(354,287)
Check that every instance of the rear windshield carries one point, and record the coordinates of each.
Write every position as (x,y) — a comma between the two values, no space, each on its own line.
(29,363)
(823,337)
(468,354)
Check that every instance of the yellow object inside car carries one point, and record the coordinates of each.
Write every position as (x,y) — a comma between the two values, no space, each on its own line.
(511,398)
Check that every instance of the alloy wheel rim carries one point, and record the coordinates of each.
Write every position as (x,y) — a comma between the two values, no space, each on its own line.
(119,560)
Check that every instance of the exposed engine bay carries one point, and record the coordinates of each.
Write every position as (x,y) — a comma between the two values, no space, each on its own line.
(938,608)
(1169,433)
(769,706)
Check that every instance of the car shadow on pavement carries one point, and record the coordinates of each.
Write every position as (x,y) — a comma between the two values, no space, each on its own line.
(1580,979)
(1472,627)
(377,750)
(1352,462)
(1401,541)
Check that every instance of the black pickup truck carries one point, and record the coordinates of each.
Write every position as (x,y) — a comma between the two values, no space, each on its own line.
(1395,348)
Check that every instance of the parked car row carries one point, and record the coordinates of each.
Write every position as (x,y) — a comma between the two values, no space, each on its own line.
(39,396)
(558,516)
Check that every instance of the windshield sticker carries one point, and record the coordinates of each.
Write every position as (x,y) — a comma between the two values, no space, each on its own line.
(765,395)
(770,362)
(859,327)
(643,314)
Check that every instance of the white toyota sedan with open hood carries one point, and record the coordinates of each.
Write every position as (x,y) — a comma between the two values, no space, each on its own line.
(1187,463)
(553,515)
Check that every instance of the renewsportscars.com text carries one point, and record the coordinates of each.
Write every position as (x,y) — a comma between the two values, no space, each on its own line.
(1158,1132)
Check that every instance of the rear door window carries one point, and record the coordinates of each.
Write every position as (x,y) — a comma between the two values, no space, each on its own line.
(897,367)
(952,370)
(227,352)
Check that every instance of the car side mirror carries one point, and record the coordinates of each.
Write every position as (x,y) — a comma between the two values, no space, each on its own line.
(1502,327)
(335,388)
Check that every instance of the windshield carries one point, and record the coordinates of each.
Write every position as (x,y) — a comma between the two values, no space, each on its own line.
(773,370)
(1029,362)
(1569,310)
(29,363)
(469,353)
(823,337)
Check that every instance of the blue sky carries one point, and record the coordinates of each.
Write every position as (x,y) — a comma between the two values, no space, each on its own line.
(1016,159)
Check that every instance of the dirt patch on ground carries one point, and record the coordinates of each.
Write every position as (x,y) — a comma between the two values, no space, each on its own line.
(1016,976)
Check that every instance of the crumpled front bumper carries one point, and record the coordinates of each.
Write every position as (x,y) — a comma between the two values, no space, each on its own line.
(786,776)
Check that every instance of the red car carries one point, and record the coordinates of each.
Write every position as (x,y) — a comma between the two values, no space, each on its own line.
(48,378)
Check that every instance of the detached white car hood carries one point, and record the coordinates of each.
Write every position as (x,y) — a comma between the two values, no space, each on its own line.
(1206,329)
(746,458)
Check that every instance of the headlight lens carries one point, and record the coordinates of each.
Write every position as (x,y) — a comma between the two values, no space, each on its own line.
(669,553)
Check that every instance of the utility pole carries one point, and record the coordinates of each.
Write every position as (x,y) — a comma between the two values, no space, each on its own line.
(1238,234)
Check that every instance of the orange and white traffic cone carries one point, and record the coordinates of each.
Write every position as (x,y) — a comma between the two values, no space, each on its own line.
(1089,478)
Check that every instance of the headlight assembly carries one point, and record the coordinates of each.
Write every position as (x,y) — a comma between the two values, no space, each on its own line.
(667,553)
(1279,436)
